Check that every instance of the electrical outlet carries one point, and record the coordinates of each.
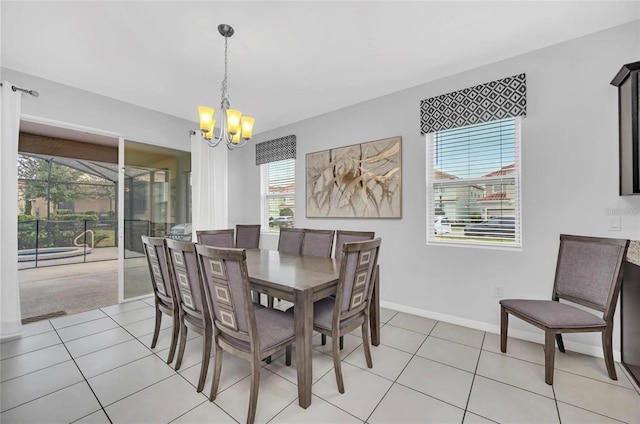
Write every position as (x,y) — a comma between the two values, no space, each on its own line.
(497,291)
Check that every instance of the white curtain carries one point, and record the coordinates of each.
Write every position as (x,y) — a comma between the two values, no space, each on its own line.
(209,185)
(9,289)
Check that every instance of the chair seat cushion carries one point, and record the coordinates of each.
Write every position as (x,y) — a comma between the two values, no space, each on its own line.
(553,314)
(274,328)
(323,314)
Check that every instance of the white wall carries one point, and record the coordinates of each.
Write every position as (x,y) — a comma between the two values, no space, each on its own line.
(70,105)
(569,177)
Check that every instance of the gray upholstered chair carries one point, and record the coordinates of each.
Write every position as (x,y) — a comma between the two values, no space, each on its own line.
(194,312)
(247,236)
(163,290)
(216,238)
(241,327)
(317,242)
(349,310)
(589,273)
(344,236)
(290,240)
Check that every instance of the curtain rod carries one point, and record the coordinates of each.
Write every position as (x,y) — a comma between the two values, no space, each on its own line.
(34,93)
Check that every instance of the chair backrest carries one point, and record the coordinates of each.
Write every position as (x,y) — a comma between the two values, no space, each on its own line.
(247,236)
(155,251)
(317,242)
(184,268)
(226,282)
(290,240)
(355,284)
(216,238)
(343,236)
(588,271)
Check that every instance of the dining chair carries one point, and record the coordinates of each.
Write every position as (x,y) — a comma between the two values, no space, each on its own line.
(216,238)
(290,240)
(194,311)
(247,236)
(344,236)
(163,290)
(588,273)
(317,242)
(349,310)
(241,327)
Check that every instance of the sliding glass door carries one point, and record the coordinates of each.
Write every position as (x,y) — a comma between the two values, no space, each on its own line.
(157,203)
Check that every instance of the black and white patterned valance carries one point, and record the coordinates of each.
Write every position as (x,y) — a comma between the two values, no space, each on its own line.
(503,98)
(276,149)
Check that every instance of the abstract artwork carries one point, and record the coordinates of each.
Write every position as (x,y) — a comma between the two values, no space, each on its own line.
(358,181)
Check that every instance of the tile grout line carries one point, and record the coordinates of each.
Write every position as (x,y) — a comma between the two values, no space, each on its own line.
(395,381)
(473,380)
(85,379)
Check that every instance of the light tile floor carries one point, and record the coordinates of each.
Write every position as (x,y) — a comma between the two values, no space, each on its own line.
(97,367)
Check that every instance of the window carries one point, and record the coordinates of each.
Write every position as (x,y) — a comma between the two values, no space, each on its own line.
(473,180)
(278,194)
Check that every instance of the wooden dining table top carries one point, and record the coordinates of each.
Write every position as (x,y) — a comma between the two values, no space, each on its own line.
(291,271)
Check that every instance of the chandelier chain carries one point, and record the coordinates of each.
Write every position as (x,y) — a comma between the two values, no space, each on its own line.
(225,93)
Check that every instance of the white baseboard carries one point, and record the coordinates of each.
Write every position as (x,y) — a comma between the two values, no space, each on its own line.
(495,329)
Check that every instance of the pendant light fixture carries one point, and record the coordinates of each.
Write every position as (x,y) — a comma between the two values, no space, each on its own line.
(235,129)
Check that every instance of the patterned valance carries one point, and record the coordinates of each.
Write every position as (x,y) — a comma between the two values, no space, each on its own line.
(503,98)
(276,149)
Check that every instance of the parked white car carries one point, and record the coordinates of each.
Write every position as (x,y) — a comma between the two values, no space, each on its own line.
(442,225)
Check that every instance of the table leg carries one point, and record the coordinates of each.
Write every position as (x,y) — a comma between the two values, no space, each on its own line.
(374,310)
(303,313)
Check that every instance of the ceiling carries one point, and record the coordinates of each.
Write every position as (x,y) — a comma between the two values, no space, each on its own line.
(288,60)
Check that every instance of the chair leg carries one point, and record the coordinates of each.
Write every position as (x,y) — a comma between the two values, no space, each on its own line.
(216,373)
(174,338)
(206,354)
(560,342)
(337,367)
(287,355)
(323,339)
(549,355)
(341,342)
(504,324)
(255,384)
(156,330)
(607,335)
(365,343)
(183,342)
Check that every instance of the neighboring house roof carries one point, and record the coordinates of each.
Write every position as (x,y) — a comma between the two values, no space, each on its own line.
(494,197)
(441,175)
(501,171)
(289,188)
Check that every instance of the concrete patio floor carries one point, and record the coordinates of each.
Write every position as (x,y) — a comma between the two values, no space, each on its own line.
(69,288)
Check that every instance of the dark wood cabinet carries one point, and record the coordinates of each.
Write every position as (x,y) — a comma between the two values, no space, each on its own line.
(629,131)
(630,319)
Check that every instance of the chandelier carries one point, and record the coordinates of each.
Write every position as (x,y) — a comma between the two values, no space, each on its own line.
(235,129)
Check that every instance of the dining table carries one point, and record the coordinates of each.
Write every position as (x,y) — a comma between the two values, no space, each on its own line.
(303,280)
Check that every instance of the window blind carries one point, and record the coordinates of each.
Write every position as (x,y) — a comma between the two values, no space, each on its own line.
(278,194)
(473,184)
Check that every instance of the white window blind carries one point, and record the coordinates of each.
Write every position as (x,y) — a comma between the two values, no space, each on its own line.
(278,194)
(473,185)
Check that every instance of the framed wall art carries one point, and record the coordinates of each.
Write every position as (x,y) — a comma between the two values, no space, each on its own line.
(358,181)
